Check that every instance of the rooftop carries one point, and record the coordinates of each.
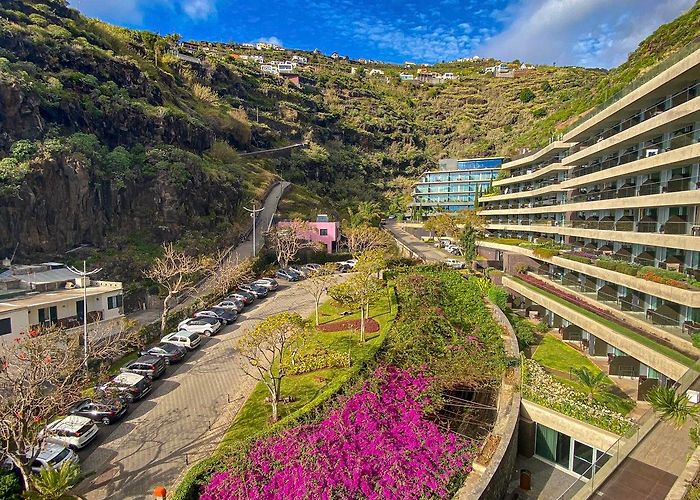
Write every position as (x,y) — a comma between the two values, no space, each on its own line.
(36,299)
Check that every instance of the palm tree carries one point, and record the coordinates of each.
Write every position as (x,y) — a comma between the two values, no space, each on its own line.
(676,408)
(594,383)
(54,484)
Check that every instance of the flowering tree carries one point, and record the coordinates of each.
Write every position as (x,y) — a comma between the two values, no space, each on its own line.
(362,238)
(230,273)
(318,282)
(288,239)
(175,272)
(41,377)
(264,348)
(378,444)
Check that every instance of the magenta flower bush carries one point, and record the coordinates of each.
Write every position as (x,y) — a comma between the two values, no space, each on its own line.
(378,444)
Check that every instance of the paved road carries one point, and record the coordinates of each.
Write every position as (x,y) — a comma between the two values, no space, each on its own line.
(184,417)
(425,251)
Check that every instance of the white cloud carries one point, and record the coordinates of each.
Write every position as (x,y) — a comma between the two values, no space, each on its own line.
(198,9)
(270,39)
(578,32)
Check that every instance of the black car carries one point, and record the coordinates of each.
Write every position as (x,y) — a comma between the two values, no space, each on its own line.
(247,297)
(105,411)
(148,366)
(227,315)
(171,353)
(258,291)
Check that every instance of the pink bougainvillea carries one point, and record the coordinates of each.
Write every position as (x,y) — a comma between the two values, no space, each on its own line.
(378,444)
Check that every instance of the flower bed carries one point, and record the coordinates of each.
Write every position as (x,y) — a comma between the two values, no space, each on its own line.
(543,389)
(378,444)
(371,325)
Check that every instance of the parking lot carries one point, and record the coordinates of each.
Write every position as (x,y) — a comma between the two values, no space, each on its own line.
(185,415)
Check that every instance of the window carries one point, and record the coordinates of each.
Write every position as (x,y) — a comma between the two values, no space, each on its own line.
(114,302)
(5,326)
(323,232)
(552,445)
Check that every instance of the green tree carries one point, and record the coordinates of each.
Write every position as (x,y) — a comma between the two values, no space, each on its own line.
(265,347)
(526,95)
(594,383)
(676,408)
(442,224)
(54,484)
(10,486)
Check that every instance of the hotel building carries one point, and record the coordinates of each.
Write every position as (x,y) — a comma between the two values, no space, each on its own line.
(455,185)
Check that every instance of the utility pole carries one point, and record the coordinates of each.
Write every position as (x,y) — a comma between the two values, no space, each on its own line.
(84,274)
(254,214)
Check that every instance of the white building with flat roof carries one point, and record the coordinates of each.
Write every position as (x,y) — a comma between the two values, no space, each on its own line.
(50,294)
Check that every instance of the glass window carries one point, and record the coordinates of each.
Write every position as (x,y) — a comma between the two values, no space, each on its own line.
(5,326)
(323,232)
(583,458)
(553,446)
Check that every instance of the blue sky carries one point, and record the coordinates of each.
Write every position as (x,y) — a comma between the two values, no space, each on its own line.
(593,33)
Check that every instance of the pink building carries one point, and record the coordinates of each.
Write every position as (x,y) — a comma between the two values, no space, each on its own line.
(321,231)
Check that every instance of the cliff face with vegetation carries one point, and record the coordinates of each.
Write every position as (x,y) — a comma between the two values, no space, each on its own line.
(108,138)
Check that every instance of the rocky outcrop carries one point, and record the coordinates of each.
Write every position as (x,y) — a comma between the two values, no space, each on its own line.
(61,203)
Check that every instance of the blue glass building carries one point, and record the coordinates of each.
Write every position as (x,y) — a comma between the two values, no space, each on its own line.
(455,184)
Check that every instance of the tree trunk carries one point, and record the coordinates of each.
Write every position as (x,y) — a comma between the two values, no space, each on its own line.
(26,474)
(590,397)
(166,311)
(362,323)
(317,301)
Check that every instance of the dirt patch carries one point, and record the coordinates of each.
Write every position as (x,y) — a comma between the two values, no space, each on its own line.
(371,326)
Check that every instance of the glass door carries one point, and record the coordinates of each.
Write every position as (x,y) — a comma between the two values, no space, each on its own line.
(583,459)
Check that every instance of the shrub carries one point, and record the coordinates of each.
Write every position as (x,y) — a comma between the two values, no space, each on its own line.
(23,150)
(539,112)
(524,330)
(205,94)
(317,359)
(577,258)
(499,296)
(546,252)
(526,95)
(10,486)
(521,268)
(618,266)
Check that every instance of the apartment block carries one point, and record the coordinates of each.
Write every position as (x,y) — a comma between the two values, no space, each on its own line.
(617,203)
(455,185)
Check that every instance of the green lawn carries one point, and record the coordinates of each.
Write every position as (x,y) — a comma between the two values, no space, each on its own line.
(640,339)
(558,355)
(311,389)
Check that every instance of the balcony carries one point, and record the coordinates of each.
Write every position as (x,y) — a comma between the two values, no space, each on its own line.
(661,106)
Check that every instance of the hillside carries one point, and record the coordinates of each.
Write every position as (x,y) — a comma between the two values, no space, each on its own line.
(108,138)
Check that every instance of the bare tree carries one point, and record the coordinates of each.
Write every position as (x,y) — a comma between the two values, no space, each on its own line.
(318,282)
(41,376)
(288,239)
(265,348)
(363,238)
(176,273)
(230,273)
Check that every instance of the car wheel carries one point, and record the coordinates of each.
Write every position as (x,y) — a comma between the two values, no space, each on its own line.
(207,333)
(106,420)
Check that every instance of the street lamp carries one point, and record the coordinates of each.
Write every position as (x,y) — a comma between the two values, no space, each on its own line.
(84,274)
(254,214)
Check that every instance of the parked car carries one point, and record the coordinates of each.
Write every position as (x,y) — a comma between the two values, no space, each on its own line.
(455,263)
(260,292)
(227,316)
(73,431)
(299,270)
(106,411)
(269,283)
(203,326)
(131,385)
(347,264)
(52,455)
(247,298)
(148,366)
(343,267)
(312,267)
(235,304)
(171,353)
(287,274)
(189,340)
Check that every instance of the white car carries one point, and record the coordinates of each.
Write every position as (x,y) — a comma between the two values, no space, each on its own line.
(455,263)
(236,305)
(53,455)
(190,340)
(204,326)
(73,431)
(269,283)
(299,270)
(312,267)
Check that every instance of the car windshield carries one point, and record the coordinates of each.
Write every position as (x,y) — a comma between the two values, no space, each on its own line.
(60,457)
(168,347)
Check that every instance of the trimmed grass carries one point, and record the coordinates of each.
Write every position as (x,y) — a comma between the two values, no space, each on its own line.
(558,355)
(309,389)
(640,339)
